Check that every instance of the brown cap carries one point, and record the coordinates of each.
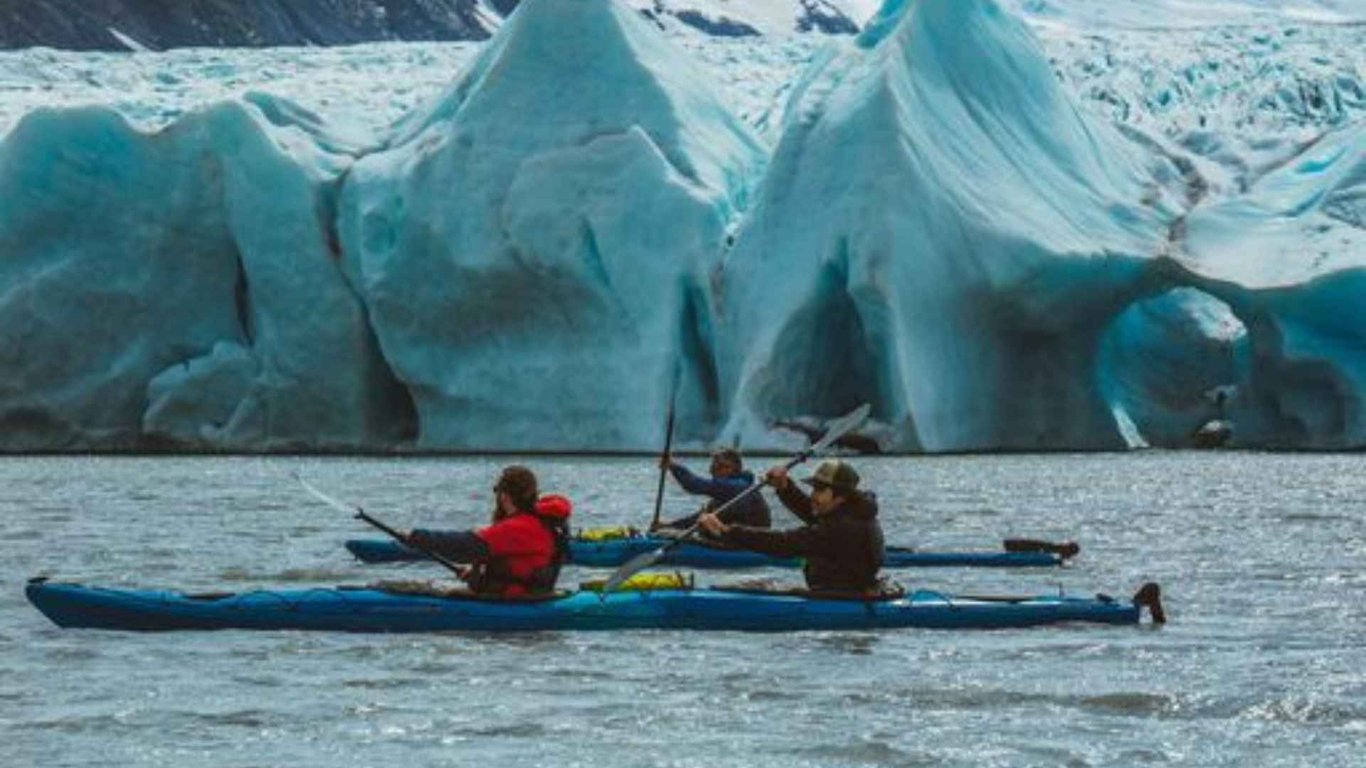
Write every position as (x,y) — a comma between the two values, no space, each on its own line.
(834,474)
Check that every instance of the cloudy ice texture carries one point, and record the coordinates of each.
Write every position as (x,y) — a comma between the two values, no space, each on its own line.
(534,247)
(973,216)
(1071,231)
(181,285)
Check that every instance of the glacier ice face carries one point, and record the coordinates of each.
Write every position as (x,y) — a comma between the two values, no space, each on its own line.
(1289,257)
(534,247)
(196,259)
(975,233)
(932,224)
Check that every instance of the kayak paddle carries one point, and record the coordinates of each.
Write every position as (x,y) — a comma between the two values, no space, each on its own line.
(360,514)
(646,559)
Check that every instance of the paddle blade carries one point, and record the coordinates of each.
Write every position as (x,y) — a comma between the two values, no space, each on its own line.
(1064,550)
(842,426)
(631,567)
(324,498)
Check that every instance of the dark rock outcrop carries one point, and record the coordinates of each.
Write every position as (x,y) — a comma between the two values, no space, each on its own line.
(110,25)
(820,16)
(161,24)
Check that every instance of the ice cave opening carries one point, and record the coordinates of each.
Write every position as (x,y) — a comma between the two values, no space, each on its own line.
(1173,368)
(828,360)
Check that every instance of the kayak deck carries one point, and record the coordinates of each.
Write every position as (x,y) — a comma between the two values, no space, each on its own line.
(611,553)
(367,609)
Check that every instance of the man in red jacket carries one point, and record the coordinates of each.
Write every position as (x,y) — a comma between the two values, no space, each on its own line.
(521,552)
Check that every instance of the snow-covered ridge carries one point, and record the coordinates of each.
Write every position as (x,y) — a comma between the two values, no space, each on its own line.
(1001,238)
(1167,15)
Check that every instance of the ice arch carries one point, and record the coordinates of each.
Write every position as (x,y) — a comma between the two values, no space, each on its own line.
(1171,364)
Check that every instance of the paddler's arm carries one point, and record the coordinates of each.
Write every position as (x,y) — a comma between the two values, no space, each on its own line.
(798,542)
(790,495)
(457,546)
(717,488)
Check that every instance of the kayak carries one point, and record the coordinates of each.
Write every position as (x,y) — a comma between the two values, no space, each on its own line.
(610,553)
(376,609)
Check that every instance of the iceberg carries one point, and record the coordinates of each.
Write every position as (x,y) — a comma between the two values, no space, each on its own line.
(942,233)
(1289,257)
(534,248)
(181,287)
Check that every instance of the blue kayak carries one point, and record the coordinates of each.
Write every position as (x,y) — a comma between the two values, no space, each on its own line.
(371,609)
(610,553)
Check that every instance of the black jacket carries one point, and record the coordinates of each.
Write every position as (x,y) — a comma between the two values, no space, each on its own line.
(842,549)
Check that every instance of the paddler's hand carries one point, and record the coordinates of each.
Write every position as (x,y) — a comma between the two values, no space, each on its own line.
(712,524)
(777,477)
(665,461)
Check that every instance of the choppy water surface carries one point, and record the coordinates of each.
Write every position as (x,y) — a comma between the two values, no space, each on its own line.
(1263,663)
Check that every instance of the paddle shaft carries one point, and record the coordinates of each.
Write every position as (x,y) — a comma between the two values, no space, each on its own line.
(360,514)
(663,466)
(400,538)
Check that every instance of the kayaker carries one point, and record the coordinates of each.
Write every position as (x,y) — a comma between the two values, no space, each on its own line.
(521,551)
(841,541)
(728,479)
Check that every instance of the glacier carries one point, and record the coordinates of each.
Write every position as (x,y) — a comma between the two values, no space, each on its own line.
(1004,231)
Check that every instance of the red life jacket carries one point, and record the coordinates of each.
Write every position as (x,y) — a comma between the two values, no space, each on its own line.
(525,550)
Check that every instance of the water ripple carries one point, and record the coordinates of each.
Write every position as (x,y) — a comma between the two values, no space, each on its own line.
(1298,709)
(1228,537)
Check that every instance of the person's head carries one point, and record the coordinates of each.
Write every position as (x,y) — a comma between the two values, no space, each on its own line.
(726,462)
(515,491)
(832,484)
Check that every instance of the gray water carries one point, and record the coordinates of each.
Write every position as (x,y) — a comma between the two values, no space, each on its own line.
(1263,662)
